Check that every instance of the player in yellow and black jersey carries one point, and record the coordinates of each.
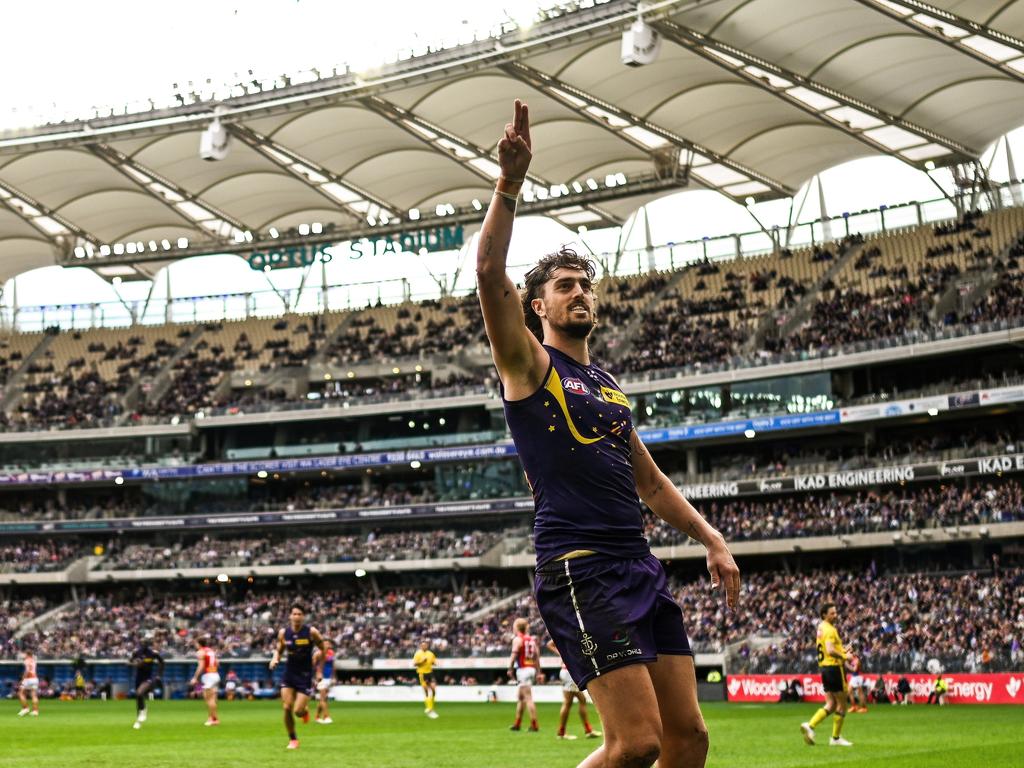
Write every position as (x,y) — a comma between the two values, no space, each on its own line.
(831,658)
(424,661)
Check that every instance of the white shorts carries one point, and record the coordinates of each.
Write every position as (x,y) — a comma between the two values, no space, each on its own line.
(855,681)
(30,683)
(526,676)
(567,684)
(210,680)
(324,685)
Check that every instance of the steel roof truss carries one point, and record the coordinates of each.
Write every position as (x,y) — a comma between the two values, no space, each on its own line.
(989,46)
(193,208)
(356,202)
(478,160)
(65,236)
(641,133)
(888,134)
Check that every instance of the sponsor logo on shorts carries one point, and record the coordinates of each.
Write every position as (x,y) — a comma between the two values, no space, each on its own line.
(588,645)
(623,654)
(575,386)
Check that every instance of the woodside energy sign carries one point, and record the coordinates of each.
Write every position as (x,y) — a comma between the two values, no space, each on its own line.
(430,240)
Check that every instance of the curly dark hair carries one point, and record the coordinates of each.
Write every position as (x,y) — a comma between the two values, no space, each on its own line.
(540,274)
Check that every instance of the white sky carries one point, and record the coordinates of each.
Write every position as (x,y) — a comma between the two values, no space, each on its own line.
(110,54)
(65,57)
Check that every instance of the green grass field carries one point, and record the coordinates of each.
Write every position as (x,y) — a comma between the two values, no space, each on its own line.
(95,734)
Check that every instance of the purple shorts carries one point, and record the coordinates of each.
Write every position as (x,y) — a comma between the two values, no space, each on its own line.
(605,612)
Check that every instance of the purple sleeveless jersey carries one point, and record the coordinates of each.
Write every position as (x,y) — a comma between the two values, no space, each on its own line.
(572,436)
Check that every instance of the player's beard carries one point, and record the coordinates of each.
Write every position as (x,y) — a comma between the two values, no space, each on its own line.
(577,329)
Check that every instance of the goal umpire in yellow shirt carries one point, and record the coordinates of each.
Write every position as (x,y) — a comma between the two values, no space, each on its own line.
(424,661)
(831,657)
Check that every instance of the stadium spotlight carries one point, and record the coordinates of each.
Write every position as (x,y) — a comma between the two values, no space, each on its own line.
(360,573)
(930,165)
(441,421)
(214,142)
(749,434)
(933,411)
(262,474)
(640,43)
(223,578)
(415,464)
(118,480)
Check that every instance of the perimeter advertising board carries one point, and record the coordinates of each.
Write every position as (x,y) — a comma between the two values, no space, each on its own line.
(998,688)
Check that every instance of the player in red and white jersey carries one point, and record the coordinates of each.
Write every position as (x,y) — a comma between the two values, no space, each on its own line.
(524,664)
(855,681)
(208,675)
(29,685)
(571,691)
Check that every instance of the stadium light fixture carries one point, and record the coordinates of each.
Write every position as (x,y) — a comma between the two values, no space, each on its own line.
(262,474)
(303,229)
(223,578)
(327,377)
(116,280)
(414,214)
(749,434)
(582,229)
(415,464)
(441,421)
(933,411)
(118,480)
(412,425)
(274,233)
(360,573)
(316,228)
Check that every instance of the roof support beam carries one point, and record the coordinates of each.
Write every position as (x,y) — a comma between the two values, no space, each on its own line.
(357,203)
(885,133)
(996,49)
(191,208)
(474,159)
(67,238)
(647,136)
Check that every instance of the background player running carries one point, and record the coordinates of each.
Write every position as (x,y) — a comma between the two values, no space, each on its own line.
(570,692)
(424,660)
(298,639)
(831,658)
(600,591)
(524,664)
(149,674)
(29,686)
(208,677)
(325,661)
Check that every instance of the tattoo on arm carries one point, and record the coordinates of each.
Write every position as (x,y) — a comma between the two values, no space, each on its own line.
(657,489)
(691,530)
(487,246)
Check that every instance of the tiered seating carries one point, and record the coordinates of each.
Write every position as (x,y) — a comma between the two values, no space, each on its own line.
(82,376)
(892,287)
(716,306)
(257,344)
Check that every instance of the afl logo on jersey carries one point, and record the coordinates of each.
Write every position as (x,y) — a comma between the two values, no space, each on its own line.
(577,387)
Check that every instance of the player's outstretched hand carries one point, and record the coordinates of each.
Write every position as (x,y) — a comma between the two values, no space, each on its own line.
(515,149)
(724,572)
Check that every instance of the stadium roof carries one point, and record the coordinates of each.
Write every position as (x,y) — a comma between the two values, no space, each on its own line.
(747,97)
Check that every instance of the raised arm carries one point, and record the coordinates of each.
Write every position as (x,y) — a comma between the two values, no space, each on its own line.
(520,359)
(664,499)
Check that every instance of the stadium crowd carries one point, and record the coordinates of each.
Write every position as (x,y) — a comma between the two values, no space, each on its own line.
(896,622)
(971,622)
(304,550)
(648,324)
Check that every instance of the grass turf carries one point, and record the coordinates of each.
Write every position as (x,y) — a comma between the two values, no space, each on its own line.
(93,734)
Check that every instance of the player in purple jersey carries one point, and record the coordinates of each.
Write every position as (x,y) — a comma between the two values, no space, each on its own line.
(601,593)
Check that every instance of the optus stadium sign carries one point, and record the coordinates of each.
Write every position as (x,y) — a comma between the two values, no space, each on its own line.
(428,240)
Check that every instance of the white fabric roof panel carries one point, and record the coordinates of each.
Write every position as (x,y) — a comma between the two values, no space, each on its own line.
(870,68)
(57,177)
